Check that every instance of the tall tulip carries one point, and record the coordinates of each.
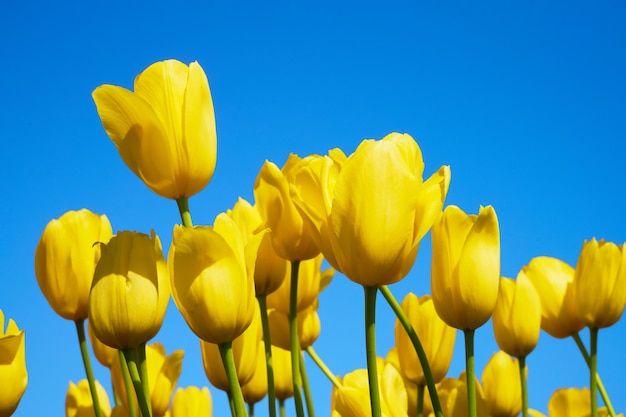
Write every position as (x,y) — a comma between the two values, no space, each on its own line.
(165,129)
(192,401)
(78,401)
(130,290)
(501,385)
(65,260)
(13,373)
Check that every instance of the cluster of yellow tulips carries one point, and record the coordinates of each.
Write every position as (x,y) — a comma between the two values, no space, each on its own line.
(248,285)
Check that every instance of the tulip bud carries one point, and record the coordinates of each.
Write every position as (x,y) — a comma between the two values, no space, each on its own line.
(502,386)
(13,372)
(192,401)
(79,403)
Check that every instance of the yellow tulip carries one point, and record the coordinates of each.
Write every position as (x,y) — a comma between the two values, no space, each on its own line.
(437,339)
(455,404)
(600,284)
(353,400)
(291,235)
(130,290)
(245,351)
(165,129)
(309,327)
(65,260)
(517,317)
(192,401)
(78,401)
(13,372)
(256,388)
(502,386)
(283,382)
(212,272)
(105,354)
(371,211)
(553,280)
(570,402)
(410,387)
(465,273)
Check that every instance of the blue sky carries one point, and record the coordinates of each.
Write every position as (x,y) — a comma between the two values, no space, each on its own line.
(526,101)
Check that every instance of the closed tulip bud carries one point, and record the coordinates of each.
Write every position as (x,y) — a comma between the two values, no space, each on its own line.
(192,401)
(79,403)
(553,281)
(371,211)
(517,317)
(291,235)
(283,382)
(165,129)
(212,272)
(600,284)
(65,260)
(437,339)
(502,386)
(256,388)
(309,327)
(245,351)
(465,274)
(130,290)
(13,372)
(572,402)
(105,354)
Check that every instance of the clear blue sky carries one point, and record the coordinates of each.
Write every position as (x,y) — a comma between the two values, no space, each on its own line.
(526,101)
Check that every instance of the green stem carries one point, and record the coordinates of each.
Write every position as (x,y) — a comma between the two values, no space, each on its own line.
(82,342)
(251,409)
(370,349)
(294,341)
(593,367)
(420,400)
(231,404)
(281,407)
(307,389)
(603,393)
(226,352)
(320,364)
(144,403)
(522,375)
(183,209)
(130,400)
(143,373)
(271,396)
(469,372)
(417,345)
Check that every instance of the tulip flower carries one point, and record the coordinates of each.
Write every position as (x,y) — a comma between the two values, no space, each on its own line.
(553,281)
(78,401)
(417,395)
(165,129)
(309,327)
(212,272)
(192,401)
(517,316)
(105,354)
(283,383)
(501,386)
(65,260)
(130,290)
(13,372)
(600,284)
(456,399)
(572,402)
(437,339)
(291,235)
(256,388)
(370,212)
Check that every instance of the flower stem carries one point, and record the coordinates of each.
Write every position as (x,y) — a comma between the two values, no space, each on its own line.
(603,393)
(320,364)
(231,404)
(271,396)
(593,366)
(307,389)
(417,345)
(294,341)
(183,209)
(226,352)
(522,375)
(82,342)
(370,348)
(144,403)
(130,400)
(420,400)
(251,409)
(281,406)
(469,372)
(140,353)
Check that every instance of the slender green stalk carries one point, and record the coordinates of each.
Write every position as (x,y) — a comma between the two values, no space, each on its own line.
(294,341)
(524,385)
(593,367)
(183,209)
(271,396)
(82,342)
(133,369)
(320,364)
(226,352)
(420,400)
(603,393)
(370,348)
(130,400)
(469,372)
(140,353)
(281,406)
(231,404)
(307,389)
(417,345)
(251,409)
